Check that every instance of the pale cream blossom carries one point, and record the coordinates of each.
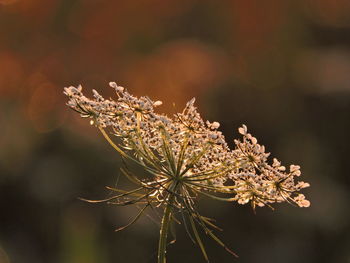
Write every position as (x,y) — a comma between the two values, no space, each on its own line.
(185,156)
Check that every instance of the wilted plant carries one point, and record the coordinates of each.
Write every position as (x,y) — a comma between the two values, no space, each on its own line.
(184,157)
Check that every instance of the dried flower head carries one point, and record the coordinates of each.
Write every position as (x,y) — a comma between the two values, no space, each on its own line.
(184,157)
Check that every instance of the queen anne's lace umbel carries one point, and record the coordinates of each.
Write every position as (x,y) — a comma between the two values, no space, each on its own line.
(186,156)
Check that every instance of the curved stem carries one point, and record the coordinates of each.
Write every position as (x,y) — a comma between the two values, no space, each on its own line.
(112,143)
(164,228)
(123,154)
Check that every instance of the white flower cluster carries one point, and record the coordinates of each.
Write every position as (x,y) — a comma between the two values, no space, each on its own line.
(187,149)
(264,183)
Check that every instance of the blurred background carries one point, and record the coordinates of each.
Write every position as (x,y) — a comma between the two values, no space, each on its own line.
(281,67)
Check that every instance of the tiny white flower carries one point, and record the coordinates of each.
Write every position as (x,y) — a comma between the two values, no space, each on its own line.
(191,102)
(116,87)
(254,140)
(157,103)
(302,184)
(119,89)
(215,125)
(243,130)
(276,163)
(294,168)
(113,84)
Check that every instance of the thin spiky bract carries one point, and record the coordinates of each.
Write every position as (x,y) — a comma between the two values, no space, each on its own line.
(184,157)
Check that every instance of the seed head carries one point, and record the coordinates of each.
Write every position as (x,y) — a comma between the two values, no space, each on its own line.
(185,156)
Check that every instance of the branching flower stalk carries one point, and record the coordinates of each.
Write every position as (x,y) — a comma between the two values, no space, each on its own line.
(184,157)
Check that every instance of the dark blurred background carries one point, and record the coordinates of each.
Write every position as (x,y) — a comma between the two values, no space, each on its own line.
(281,67)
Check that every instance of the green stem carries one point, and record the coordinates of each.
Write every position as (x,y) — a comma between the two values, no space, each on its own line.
(112,143)
(164,228)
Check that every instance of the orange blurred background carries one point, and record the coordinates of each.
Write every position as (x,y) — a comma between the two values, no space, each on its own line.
(281,67)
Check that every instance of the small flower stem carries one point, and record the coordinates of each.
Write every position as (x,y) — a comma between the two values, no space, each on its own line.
(164,228)
(112,143)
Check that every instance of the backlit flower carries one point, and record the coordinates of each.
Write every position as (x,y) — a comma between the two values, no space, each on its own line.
(184,157)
